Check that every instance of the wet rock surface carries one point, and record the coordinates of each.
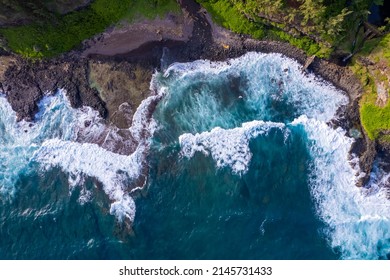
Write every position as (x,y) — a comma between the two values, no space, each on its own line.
(122,86)
(115,84)
(25,83)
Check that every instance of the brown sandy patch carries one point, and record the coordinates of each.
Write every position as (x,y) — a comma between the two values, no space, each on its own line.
(5,62)
(130,36)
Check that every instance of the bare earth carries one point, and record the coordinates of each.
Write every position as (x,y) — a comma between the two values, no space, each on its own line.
(127,37)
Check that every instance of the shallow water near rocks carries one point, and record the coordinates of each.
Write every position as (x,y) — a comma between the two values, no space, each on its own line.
(242,165)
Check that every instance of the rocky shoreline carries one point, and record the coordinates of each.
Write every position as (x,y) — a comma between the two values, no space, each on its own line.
(115,83)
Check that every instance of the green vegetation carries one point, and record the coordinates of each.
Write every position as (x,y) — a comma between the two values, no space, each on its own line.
(309,46)
(375,113)
(375,120)
(315,26)
(230,14)
(150,8)
(56,34)
(322,27)
(38,29)
(227,15)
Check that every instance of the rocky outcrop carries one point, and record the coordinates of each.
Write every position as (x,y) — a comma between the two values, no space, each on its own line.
(115,84)
(25,83)
(122,86)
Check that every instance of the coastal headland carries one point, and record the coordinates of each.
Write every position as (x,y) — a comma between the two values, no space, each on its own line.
(111,71)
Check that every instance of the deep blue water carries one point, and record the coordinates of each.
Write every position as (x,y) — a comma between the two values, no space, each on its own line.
(242,165)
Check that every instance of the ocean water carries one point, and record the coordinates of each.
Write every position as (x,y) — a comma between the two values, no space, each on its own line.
(241,163)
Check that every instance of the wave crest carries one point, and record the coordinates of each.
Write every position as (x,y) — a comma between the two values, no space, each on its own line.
(228,147)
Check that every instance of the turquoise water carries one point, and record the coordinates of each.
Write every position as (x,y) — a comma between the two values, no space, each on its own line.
(242,165)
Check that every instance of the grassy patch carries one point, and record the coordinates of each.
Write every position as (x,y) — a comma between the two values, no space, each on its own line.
(384,46)
(230,17)
(307,45)
(375,119)
(151,9)
(369,46)
(48,39)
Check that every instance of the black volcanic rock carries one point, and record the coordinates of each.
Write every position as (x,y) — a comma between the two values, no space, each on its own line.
(25,83)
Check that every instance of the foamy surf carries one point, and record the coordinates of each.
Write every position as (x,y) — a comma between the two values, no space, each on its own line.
(357,219)
(227,111)
(19,140)
(266,77)
(68,138)
(81,160)
(228,147)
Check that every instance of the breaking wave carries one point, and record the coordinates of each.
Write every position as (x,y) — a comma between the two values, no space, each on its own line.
(218,108)
(80,144)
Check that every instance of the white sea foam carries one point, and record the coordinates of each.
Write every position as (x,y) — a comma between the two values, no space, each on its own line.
(7,155)
(143,125)
(228,147)
(85,196)
(64,137)
(114,171)
(142,121)
(19,140)
(359,218)
(202,66)
(270,76)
